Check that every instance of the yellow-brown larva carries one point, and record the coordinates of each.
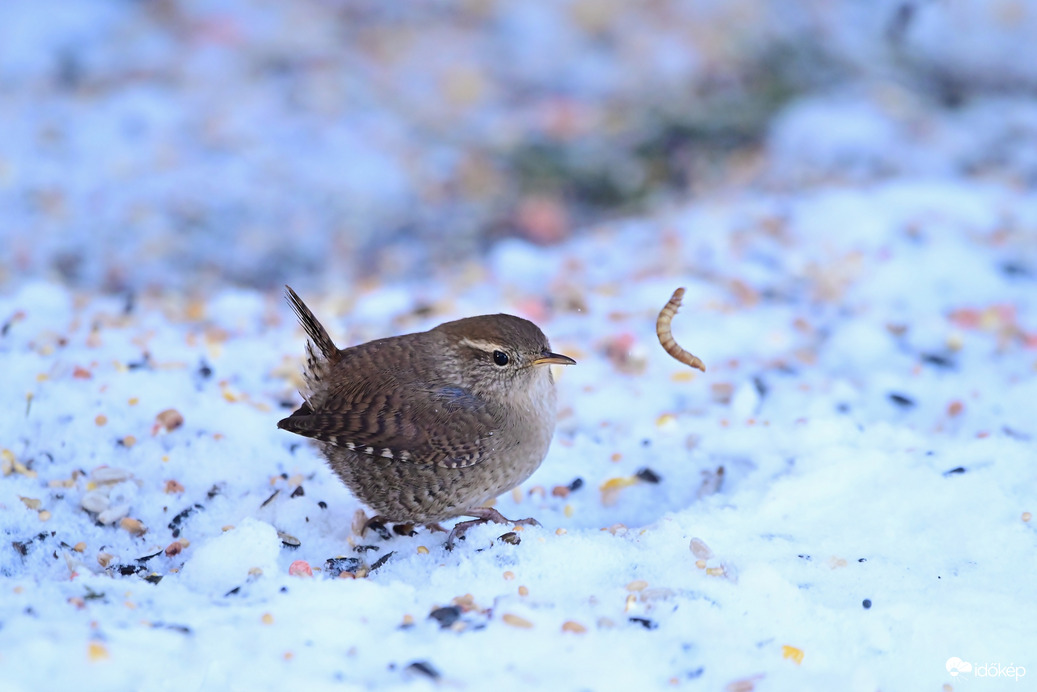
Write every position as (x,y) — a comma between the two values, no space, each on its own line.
(662,328)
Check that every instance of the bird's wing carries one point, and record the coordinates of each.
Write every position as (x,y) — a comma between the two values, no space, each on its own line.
(425,423)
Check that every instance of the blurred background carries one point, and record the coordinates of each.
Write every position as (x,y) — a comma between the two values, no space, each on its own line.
(181,145)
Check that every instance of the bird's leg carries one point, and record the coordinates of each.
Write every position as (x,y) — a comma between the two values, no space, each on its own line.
(483,515)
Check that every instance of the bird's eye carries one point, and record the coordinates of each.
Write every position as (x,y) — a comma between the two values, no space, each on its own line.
(500,358)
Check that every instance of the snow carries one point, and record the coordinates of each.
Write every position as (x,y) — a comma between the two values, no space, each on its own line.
(843,500)
(833,493)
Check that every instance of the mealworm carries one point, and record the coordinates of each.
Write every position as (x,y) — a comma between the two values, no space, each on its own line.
(662,328)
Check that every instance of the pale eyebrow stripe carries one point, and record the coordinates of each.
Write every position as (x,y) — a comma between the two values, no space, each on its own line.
(488,346)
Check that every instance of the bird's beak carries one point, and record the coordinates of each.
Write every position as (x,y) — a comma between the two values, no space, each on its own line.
(549,358)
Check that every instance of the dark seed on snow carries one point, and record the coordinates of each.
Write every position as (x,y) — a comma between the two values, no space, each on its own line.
(382,560)
(901,400)
(365,548)
(648,475)
(335,566)
(645,622)
(446,616)
(423,668)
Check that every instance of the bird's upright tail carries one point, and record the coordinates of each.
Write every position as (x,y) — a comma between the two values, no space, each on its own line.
(321,352)
(314,329)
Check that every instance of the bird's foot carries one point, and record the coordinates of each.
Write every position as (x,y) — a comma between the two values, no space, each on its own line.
(483,515)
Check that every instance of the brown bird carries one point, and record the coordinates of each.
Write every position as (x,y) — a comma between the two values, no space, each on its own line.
(430,426)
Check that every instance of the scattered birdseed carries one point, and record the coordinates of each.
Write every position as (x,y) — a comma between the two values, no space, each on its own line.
(446,616)
(509,575)
(109,475)
(744,684)
(616,483)
(560,531)
(511,538)
(866,603)
(721,392)
(335,566)
(134,526)
(173,486)
(97,651)
(700,550)
(7,460)
(44,515)
(560,491)
(712,482)
(422,550)
(423,668)
(573,626)
(79,547)
(169,420)
(647,623)
(101,420)
(666,421)
(267,619)
(300,568)
(901,400)
(174,525)
(289,540)
(523,591)
(1027,516)
(30,502)
(648,475)
(516,621)
(792,653)
(637,585)
(382,560)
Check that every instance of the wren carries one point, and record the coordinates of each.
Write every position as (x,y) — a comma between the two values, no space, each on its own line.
(430,426)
